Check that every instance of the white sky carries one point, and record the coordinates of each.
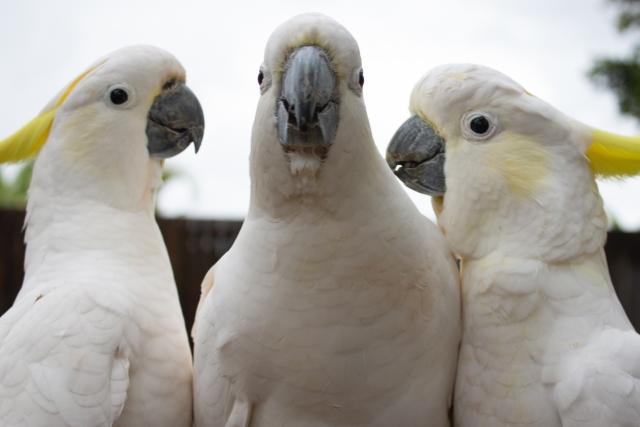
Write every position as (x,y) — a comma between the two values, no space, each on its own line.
(546,45)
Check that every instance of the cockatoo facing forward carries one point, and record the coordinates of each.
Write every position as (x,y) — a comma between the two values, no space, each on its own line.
(338,304)
(96,335)
(545,340)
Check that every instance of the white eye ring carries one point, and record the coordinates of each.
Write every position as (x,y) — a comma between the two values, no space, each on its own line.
(478,125)
(120,96)
(354,83)
(266,79)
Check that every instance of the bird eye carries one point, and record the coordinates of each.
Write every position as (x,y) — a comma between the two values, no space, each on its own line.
(479,125)
(361,79)
(118,96)
(260,77)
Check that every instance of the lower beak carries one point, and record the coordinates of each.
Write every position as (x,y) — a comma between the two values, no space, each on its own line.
(175,120)
(416,156)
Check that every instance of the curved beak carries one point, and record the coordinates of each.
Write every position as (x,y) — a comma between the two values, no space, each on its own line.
(416,156)
(175,120)
(307,109)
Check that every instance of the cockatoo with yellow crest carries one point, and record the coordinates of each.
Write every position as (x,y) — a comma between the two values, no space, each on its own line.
(545,340)
(338,304)
(96,335)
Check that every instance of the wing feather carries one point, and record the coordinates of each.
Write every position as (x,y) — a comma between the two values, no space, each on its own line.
(59,366)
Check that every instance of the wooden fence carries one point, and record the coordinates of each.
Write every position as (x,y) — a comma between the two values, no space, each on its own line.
(194,246)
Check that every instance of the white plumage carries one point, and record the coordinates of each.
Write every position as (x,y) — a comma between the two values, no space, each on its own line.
(545,340)
(96,336)
(338,304)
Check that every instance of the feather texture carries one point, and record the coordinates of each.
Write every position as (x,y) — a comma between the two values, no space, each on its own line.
(613,155)
(338,304)
(545,341)
(96,336)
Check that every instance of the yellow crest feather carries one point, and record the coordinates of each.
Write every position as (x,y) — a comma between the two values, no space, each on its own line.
(614,155)
(26,142)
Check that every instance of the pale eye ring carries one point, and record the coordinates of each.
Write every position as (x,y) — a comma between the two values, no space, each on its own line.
(479,125)
(264,79)
(120,96)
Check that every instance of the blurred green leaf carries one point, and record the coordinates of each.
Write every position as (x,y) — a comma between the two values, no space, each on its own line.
(13,194)
(630,14)
(622,75)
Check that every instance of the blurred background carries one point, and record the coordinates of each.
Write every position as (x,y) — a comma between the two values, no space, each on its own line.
(579,55)
(548,46)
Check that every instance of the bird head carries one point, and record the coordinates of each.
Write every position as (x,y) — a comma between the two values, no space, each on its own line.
(311,72)
(508,170)
(105,135)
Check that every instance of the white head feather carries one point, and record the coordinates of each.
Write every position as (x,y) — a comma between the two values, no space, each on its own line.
(526,180)
(281,180)
(98,150)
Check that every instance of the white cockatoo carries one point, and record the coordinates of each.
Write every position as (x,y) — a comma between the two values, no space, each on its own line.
(545,341)
(338,304)
(96,336)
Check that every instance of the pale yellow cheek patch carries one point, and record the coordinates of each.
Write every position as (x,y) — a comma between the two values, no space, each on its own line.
(82,130)
(520,162)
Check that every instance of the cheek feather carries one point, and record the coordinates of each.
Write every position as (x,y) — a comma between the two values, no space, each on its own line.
(520,162)
(81,134)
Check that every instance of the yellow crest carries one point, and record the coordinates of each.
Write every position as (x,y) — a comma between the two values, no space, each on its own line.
(614,155)
(26,142)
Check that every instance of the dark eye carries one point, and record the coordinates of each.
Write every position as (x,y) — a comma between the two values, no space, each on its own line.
(260,77)
(479,125)
(361,79)
(118,96)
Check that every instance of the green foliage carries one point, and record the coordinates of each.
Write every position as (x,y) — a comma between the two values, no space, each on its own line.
(13,194)
(622,75)
(630,15)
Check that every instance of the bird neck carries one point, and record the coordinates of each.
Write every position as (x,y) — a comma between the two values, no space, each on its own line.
(352,176)
(575,295)
(66,232)
(561,220)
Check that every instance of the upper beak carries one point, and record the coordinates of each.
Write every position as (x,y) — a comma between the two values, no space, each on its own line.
(307,110)
(416,155)
(175,120)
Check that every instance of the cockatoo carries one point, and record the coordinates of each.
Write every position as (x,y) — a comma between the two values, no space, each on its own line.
(96,336)
(338,304)
(545,340)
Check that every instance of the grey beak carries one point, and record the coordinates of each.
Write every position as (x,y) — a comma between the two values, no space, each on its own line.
(175,120)
(307,109)
(416,156)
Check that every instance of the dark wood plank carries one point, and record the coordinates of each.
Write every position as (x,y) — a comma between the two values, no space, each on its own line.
(194,246)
